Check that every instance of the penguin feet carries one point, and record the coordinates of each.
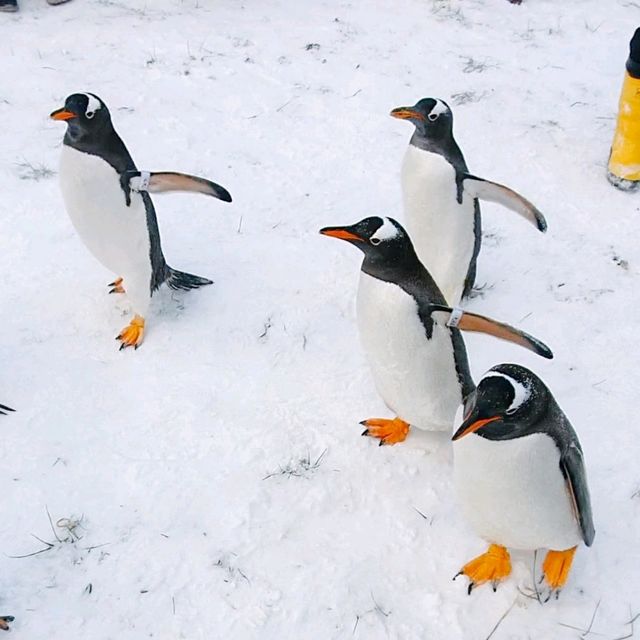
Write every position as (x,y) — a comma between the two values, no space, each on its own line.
(555,570)
(116,286)
(4,622)
(131,335)
(388,431)
(492,566)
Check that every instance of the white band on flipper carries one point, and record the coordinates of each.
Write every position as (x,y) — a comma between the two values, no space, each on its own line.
(456,316)
(141,182)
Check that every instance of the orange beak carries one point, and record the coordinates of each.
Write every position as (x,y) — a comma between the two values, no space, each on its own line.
(341,233)
(406,113)
(466,428)
(62,114)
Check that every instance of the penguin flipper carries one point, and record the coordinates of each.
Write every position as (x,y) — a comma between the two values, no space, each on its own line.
(572,465)
(465,321)
(4,409)
(495,192)
(166,181)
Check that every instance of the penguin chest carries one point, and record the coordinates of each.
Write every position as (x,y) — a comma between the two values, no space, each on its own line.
(441,228)
(117,235)
(415,375)
(513,492)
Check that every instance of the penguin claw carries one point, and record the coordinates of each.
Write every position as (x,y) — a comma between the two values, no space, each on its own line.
(492,566)
(4,622)
(116,286)
(388,431)
(555,570)
(132,335)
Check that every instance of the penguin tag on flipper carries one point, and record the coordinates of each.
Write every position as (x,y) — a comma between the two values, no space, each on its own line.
(498,193)
(455,317)
(466,321)
(171,181)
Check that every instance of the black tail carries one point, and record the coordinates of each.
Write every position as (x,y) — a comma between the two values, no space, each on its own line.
(4,409)
(185,281)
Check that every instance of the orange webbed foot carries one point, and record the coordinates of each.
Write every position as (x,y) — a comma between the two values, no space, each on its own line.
(556,568)
(4,622)
(492,566)
(116,286)
(132,335)
(388,431)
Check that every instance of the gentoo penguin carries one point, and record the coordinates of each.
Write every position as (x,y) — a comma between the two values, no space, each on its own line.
(520,477)
(4,409)
(108,201)
(410,336)
(442,213)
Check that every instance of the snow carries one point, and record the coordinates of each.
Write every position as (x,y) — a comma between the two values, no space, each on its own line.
(220,465)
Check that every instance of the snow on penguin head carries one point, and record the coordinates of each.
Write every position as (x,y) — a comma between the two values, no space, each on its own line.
(512,392)
(516,391)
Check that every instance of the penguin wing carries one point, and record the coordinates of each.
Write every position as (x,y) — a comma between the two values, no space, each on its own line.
(466,321)
(4,409)
(572,466)
(495,192)
(164,181)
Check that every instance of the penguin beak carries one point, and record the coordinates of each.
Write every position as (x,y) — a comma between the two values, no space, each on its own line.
(406,113)
(62,114)
(471,425)
(342,233)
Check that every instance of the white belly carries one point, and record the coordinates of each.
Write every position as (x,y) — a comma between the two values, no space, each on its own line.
(416,377)
(513,493)
(441,229)
(115,234)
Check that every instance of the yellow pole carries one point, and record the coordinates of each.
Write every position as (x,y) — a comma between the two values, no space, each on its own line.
(624,160)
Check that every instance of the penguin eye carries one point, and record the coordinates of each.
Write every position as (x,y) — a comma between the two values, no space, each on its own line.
(510,412)
(90,114)
(375,241)
(433,116)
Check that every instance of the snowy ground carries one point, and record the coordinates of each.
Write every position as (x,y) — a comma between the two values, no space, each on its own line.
(221,483)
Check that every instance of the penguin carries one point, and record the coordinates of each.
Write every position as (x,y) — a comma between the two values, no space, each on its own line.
(410,336)
(4,409)
(520,477)
(442,212)
(108,201)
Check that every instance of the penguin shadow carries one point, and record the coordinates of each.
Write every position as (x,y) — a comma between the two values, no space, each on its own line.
(431,442)
(166,306)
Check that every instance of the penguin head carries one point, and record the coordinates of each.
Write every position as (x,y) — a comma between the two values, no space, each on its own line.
(86,116)
(504,405)
(382,240)
(431,117)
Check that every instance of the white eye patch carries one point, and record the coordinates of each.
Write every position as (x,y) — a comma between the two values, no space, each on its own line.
(521,393)
(93,105)
(387,231)
(439,108)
